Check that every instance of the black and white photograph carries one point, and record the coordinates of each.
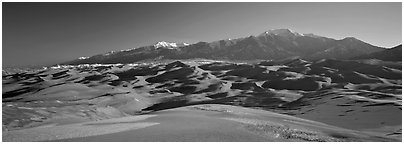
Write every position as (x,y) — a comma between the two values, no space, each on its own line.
(195,71)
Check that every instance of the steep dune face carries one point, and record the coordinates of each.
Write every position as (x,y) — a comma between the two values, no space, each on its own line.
(350,94)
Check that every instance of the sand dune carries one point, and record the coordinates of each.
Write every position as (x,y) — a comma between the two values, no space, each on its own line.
(356,95)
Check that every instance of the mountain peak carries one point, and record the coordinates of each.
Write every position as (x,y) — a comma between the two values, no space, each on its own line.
(350,39)
(282,32)
(279,31)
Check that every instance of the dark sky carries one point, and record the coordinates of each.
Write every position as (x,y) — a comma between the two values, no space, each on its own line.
(48,33)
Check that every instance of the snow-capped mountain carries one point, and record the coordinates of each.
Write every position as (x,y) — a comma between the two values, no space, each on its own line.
(281,32)
(273,44)
(164,44)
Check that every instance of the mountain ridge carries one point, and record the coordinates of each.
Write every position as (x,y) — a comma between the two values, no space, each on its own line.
(392,54)
(273,44)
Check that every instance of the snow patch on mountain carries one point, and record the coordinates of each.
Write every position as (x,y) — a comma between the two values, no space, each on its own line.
(165,44)
(128,49)
(81,58)
(109,53)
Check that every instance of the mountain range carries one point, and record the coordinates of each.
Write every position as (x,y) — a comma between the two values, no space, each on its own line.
(274,44)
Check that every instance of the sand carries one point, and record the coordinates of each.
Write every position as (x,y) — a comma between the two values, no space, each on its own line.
(229,123)
(340,94)
(55,132)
